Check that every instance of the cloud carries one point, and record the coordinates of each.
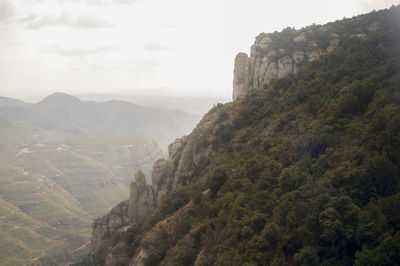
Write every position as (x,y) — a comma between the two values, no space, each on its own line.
(368,5)
(155,46)
(65,19)
(87,2)
(90,22)
(7,10)
(109,2)
(164,26)
(61,51)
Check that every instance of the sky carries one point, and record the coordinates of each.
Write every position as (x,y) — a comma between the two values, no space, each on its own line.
(165,47)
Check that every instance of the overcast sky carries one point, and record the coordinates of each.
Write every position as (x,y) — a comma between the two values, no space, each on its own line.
(170,47)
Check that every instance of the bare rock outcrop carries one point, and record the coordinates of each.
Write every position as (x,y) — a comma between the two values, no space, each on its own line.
(184,155)
(275,55)
(141,198)
(241,76)
(103,227)
(268,61)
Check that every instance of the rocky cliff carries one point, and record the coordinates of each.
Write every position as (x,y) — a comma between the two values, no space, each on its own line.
(103,227)
(184,154)
(275,55)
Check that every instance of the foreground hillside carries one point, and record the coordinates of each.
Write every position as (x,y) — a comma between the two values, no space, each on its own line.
(304,171)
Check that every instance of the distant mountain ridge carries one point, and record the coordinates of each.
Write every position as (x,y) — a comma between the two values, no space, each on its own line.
(9,102)
(69,117)
(23,134)
(190,104)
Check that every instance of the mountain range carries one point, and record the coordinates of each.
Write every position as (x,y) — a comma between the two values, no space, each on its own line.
(68,117)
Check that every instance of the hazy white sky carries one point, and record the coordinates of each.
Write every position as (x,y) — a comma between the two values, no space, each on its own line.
(172,47)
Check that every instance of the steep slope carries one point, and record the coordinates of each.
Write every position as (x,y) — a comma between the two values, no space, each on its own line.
(303,171)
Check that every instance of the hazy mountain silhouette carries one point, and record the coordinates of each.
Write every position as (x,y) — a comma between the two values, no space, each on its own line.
(8,102)
(67,116)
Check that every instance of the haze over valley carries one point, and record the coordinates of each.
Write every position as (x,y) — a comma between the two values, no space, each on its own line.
(65,162)
(184,132)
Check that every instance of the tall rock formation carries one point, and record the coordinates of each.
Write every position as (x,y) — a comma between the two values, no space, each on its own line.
(240,75)
(167,175)
(272,56)
(275,55)
(141,198)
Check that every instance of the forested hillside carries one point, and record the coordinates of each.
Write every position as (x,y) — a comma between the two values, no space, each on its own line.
(305,171)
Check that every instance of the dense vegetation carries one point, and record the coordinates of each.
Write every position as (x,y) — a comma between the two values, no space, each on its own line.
(305,172)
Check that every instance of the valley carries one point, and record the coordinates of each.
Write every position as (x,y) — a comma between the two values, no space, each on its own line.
(65,162)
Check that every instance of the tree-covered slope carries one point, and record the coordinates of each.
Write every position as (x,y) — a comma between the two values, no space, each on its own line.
(303,172)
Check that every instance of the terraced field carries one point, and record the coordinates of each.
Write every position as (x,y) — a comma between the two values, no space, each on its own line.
(50,193)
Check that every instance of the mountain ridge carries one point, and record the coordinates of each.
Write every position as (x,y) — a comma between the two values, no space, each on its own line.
(69,117)
(59,98)
(302,171)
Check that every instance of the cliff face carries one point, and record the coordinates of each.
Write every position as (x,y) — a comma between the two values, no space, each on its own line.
(275,55)
(184,154)
(143,199)
(103,227)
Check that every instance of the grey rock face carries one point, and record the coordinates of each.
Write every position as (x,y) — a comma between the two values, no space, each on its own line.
(141,198)
(162,170)
(298,56)
(103,227)
(241,76)
(268,61)
(265,63)
(333,45)
(285,66)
